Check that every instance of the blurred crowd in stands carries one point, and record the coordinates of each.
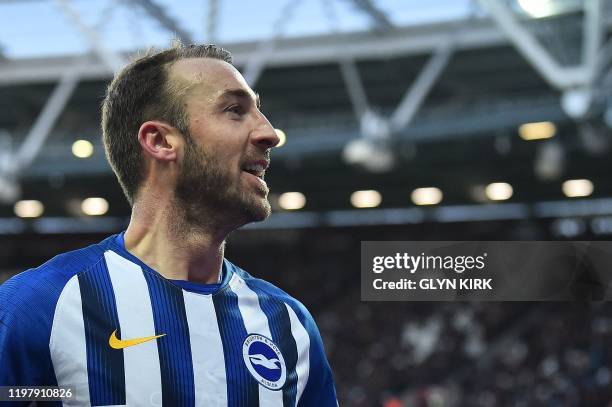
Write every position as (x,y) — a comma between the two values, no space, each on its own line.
(469,354)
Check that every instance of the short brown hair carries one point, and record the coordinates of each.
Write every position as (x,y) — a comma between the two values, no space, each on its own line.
(139,92)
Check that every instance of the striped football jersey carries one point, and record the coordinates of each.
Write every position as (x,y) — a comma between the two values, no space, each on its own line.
(101,321)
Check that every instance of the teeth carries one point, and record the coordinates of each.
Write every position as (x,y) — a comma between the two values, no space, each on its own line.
(254,167)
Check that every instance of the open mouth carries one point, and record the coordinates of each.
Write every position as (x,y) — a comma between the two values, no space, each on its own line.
(257,168)
(258,174)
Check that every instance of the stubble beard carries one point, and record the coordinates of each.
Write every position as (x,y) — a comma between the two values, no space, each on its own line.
(209,197)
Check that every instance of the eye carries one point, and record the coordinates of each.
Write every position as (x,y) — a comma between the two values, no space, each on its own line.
(235,109)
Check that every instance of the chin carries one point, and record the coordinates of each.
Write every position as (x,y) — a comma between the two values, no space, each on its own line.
(257,211)
(261,215)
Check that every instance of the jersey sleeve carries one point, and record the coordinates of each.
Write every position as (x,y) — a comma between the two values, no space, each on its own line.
(25,324)
(320,390)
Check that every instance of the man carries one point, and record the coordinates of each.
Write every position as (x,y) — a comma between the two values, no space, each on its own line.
(156,315)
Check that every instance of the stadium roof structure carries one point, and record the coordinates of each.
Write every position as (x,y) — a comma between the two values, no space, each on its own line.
(372,94)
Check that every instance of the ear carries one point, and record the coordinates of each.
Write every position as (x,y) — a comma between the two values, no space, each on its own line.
(159,140)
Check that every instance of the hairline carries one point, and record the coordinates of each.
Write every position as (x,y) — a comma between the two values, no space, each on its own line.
(192,81)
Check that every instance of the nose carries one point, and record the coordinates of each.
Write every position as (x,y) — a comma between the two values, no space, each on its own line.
(264,135)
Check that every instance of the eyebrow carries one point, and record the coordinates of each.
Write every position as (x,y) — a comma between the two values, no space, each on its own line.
(241,94)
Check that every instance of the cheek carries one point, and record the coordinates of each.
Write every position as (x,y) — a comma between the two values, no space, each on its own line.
(229,155)
(226,162)
(223,145)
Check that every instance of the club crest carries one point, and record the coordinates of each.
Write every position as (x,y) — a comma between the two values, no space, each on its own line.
(265,361)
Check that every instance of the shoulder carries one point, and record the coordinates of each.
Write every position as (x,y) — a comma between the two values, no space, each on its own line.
(35,292)
(28,303)
(319,389)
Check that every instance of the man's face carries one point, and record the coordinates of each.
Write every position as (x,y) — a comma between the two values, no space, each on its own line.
(227,149)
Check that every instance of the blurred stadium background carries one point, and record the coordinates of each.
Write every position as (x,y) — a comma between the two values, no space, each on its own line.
(404,120)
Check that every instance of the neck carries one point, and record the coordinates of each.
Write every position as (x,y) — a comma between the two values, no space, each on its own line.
(162,238)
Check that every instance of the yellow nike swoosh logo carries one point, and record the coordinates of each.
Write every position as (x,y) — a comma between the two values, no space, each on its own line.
(117,343)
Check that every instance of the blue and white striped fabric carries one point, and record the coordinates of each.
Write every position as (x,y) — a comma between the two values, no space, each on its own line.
(243,342)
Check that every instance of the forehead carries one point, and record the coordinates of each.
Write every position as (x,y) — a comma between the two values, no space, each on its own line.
(209,76)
